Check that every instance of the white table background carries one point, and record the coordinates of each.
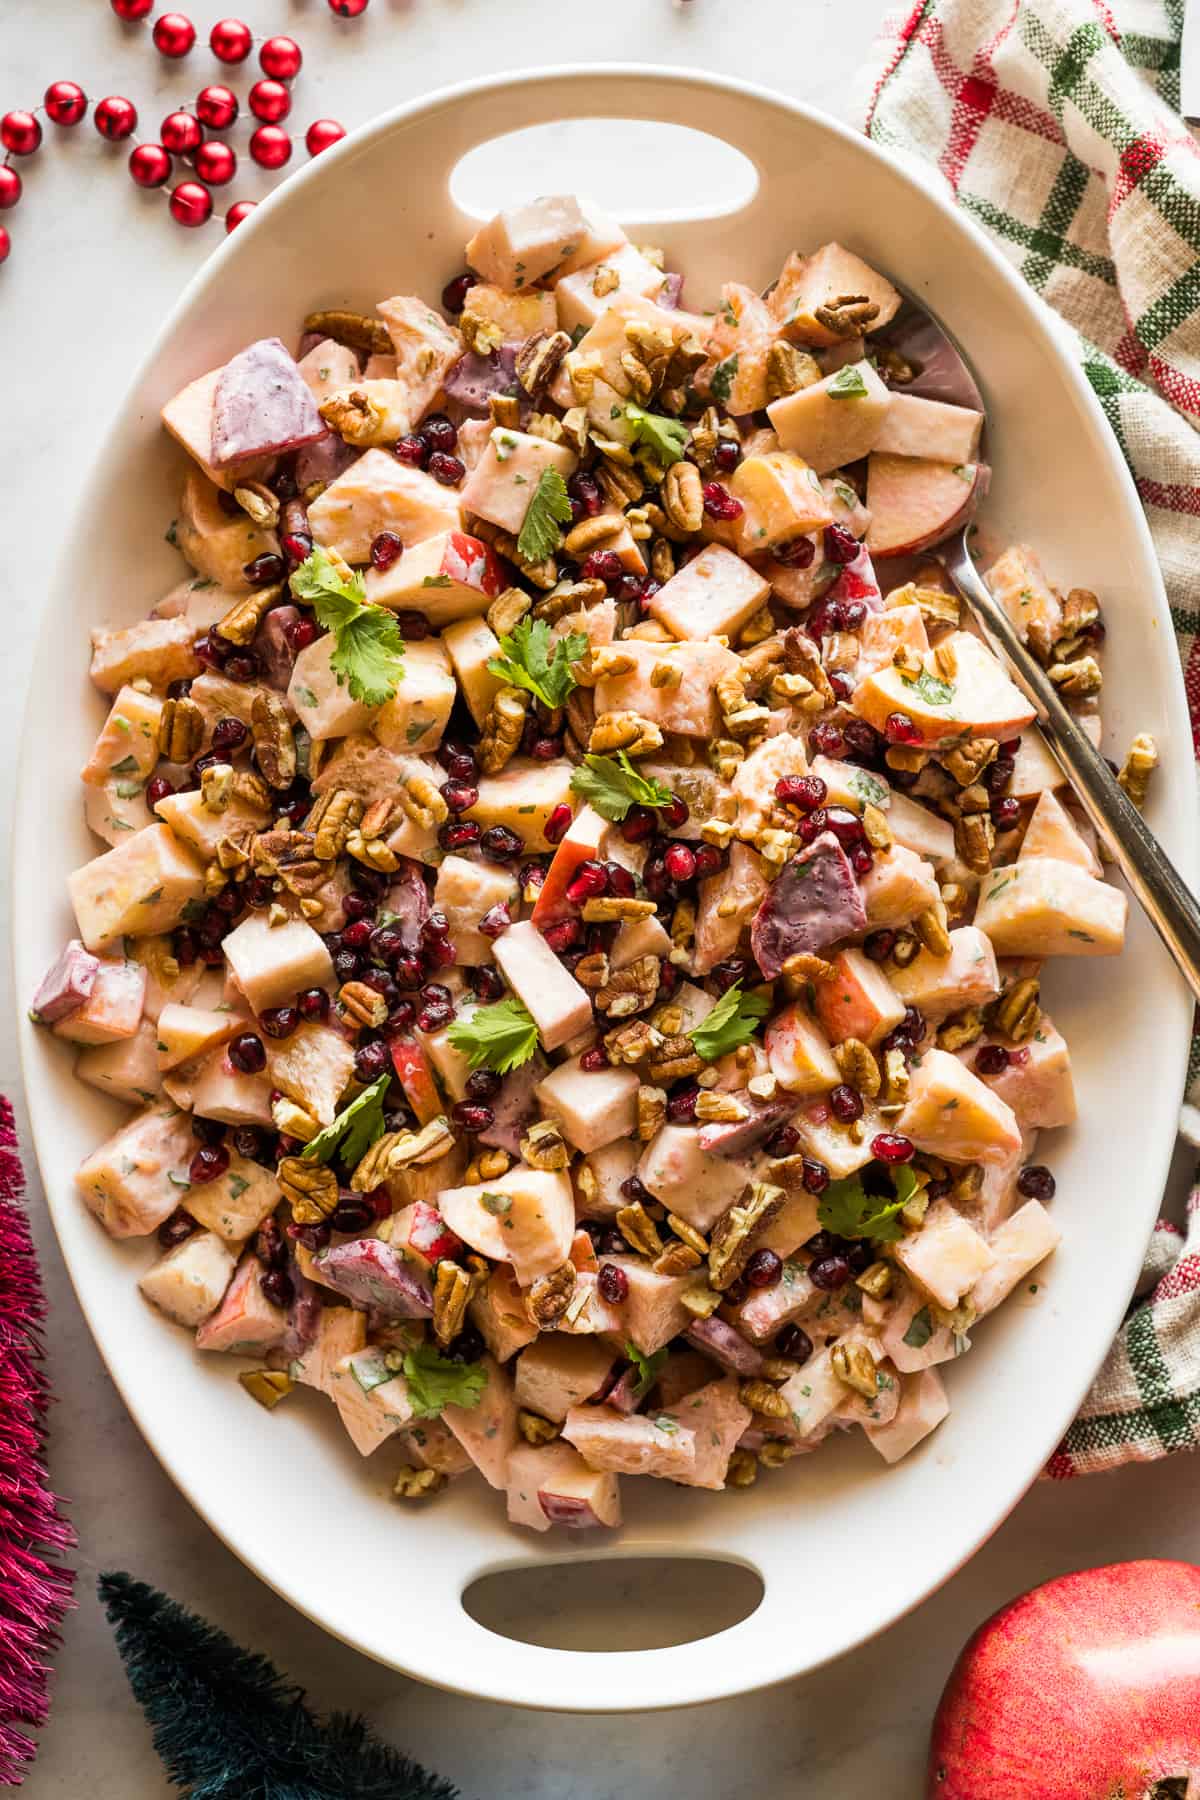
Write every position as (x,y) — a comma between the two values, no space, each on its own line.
(95,265)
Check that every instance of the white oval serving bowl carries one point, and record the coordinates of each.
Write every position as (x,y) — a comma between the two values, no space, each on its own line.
(844,1545)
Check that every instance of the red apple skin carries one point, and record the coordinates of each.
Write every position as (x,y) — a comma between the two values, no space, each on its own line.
(1087,1688)
(416,1078)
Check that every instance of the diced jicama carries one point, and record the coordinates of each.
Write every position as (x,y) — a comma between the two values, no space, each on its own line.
(1018,583)
(764,1310)
(187,1031)
(237,1202)
(140,886)
(155,650)
(1052,832)
(219,1091)
(116,809)
(812,1393)
(582,296)
(274,963)
(834,421)
(939,985)
(517,315)
(523,243)
(654,1312)
(66,985)
(416,715)
(632,1443)
(923,1406)
(923,832)
(946,1257)
(128,1181)
(793,1225)
(488,1431)
(551,1484)
(930,429)
(323,704)
(687,1180)
(820,280)
(217,544)
(378,493)
(1038,1086)
(503,481)
(445,577)
(200,828)
(591,1107)
(128,741)
(898,885)
(912,1338)
(127,1069)
(716,1417)
(558,1372)
(426,349)
(559,1006)
(915,503)
(187,1283)
(858,1002)
(372,1400)
(327,367)
(1018,1246)
(526,1217)
(950,1112)
(608,1167)
(466,892)
(813,902)
(1042,907)
(713,594)
(471,644)
(687,707)
(523,796)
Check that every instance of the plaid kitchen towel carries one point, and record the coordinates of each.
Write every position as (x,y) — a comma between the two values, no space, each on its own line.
(1054,125)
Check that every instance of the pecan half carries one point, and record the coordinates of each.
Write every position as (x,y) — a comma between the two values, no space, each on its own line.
(733,1234)
(626,731)
(544,1147)
(501,735)
(550,1295)
(639,1230)
(1138,767)
(362,1004)
(682,497)
(180,730)
(857,1066)
(651,1112)
(311,1188)
(242,620)
(354,329)
(539,360)
(789,369)
(451,1291)
(274,741)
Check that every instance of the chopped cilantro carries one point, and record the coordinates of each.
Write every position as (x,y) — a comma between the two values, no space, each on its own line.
(847,384)
(434,1381)
(353,1131)
(647,1368)
(666,437)
(549,507)
(935,692)
(368,655)
(612,785)
(501,1037)
(532,661)
(732,1022)
(722,379)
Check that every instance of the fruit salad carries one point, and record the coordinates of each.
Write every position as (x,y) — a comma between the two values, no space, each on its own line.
(573,888)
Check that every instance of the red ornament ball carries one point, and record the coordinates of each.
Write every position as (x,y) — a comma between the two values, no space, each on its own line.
(270,100)
(20,132)
(271,147)
(215,163)
(10,187)
(5,244)
(129,10)
(173,35)
(239,211)
(348,9)
(280,57)
(191,204)
(181,133)
(149,165)
(230,41)
(115,118)
(66,102)
(216,107)
(321,134)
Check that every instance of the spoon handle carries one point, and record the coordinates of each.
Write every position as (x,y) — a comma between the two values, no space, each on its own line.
(1158,886)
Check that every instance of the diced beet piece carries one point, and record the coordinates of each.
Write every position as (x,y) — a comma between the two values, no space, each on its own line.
(323,460)
(515,1106)
(261,405)
(408,898)
(272,645)
(304,1313)
(671,292)
(370,1271)
(67,983)
(474,379)
(741,1136)
(725,1345)
(813,902)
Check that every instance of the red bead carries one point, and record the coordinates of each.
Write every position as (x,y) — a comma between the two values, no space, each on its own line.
(280,57)
(230,41)
(149,165)
(181,134)
(20,132)
(270,100)
(173,35)
(129,10)
(239,211)
(65,102)
(5,245)
(348,9)
(321,134)
(271,146)
(115,118)
(191,204)
(216,107)
(215,163)
(10,187)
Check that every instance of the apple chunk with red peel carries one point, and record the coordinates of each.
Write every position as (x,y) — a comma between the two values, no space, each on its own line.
(977,701)
(261,405)
(450,576)
(915,503)
(1088,1686)
(551,1484)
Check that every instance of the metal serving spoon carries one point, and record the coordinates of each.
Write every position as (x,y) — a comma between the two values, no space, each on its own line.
(944,374)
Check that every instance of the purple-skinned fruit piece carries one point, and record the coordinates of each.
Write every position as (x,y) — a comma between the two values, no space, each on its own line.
(726,1346)
(369,1271)
(67,983)
(813,902)
(262,405)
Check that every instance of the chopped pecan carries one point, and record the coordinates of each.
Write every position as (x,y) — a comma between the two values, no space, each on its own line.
(720,1109)
(639,978)
(418,1484)
(451,1291)
(267,1386)
(351,328)
(735,1230)
(1079,678)
(975,839)
(355,416)
(507,610)
(536,1430)
(311,1188)
(846,315)
(854,1365)
(967,762)
(363,1004)
(801,657)
(502,730)
(651,1111)
(630,1043)
(677,1259)
(764,1399)
(373,852)
(539,359)
(639,1230)
(930,927)
(422,802)
(675,1060)
(1138,767)
(216,787)
(1017,1014)
(626,731)
(289,856)
(243,619)
(550,1295)
(592,971)
(544,1146)
(857,1066)
(274,740)
(700,1300)
(789,369)
(180,730)
(331,821)
(397,1149)
(592,534)
(804,965)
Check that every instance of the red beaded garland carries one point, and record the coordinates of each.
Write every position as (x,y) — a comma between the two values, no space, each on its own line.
(173,35)
(20,132)
(149,165)
(321,134)
(216,107)
(65,102)
(5,244)
(230,41)
(348,9)
(181,133)
(269,100)
(10,187)
(239,211)
(191,204)
(215,163)
(280,57)
(131,9)
(115,118)
(270,147)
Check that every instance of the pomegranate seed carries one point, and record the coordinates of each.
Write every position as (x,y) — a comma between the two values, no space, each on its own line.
(861,860)
(436,1000)
(798,554)
(242,667)
(829,1272)
(412,450)
(845,1104)
(719,503)
(681,1106)
(546,749)
(1035,1182)
(209,1131)
(471,1117)
(352,1216)
(727,455)
(591,881)
(209,1161)
(636,1191)
(913,1023)
(1005,812)
(276,1285)
(301,633)
(998,774)
(439,433)
(621,881)
(449,470)
(1018,1058)
(211,649)
(557,825)
(825,739)
(562,935)
(764,1269)
(458,837)
(297,546)
(992,1059)
(483,1084)
(313,1003)
(495,921)
(845,825)
(458,761)
(862,739)
(371,1061)
(724,974)
(680,862)
(279,1021)
(386,549)
(841,683)
(264,570)
(854,615)
(229,734)
(594,1060)
(612,1284)
(898,728)
(501,844)
(413,626)
(815,1176)
(459,796)
(487,984)
(586,490)
(157,788)
(601,565)
(782,1141)
(841,546)
(454,294)
(709,861)
(676,813)
(638,824)
(407,972)
(386,944)
(890,1147)
(794,1341)
(358,906)
(176,1229)
(878,945)
(247,1054)
(825,619)
(810,827)
(358,935)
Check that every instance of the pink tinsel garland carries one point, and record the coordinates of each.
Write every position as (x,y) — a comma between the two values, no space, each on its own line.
(35,1592)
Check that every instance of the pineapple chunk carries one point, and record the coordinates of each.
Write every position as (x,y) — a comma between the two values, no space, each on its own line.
(711,596)
(142,885)
(469,643)
(782,498)
(533,1231)
(312,1067)
(189,1281)
(835,421)
(128,743)
(946,1257)
(1043,907)
(523,796)
(950,1112)
(416,715)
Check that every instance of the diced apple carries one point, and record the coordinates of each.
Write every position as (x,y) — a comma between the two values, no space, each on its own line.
(798,1053)
(950,1112)
(516,316)
(923,1406)
(127,1069)
(426,349)
(765,1310)
(550,1484)
(526,1218)
(584,839)
(465,892)
(557,1372)
(930,429)
(1042,907)
(237,1202)
(328,367)
(689,707)
(631,1443)
(828,1142)
(154,650)
(126,1182)
(946,1257)
(1018,582)
(116,809)
(187,1031)
(898,885)
(522,244)
(416,715)
(488,1432)
(499,1312)
(980,701)
(820,280)
(717,1418)
(217,543)
(112,1010)
(373,1402)
(502,483)
(128,742)
(523,796)
(1018,1246)
(859,1002)
(140,886)
(189,1281)
(591,1107)
(900,628)
(712,595)
(470,645)
(560,1007)
(312,1066)
(915,503)
(1040,1089)
(835,421)
(219,1091)
(923,832)
(590,291)
(201,829)
(654,1312)
(812,1394)
(420,1233)
(740,336)
(446,577)
(609,1166)
(274,962)
(1052,832)
(728,901)
(378,493)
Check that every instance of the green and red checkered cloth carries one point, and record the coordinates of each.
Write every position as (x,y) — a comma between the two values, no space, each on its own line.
(1054,124)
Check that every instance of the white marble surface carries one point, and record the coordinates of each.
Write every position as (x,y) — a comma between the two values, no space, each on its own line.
(95,265)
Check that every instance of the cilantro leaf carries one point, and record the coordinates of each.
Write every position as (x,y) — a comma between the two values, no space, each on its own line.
(368,655)
(847,384)
(722,379)
(930,688)
(666,437)
(549,507)
(849,1211)
(612,785)
(353,1131)
(920,1330)
(733,1021)
(647,1368)
(500,1037)
(434,1381)
(531,661)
